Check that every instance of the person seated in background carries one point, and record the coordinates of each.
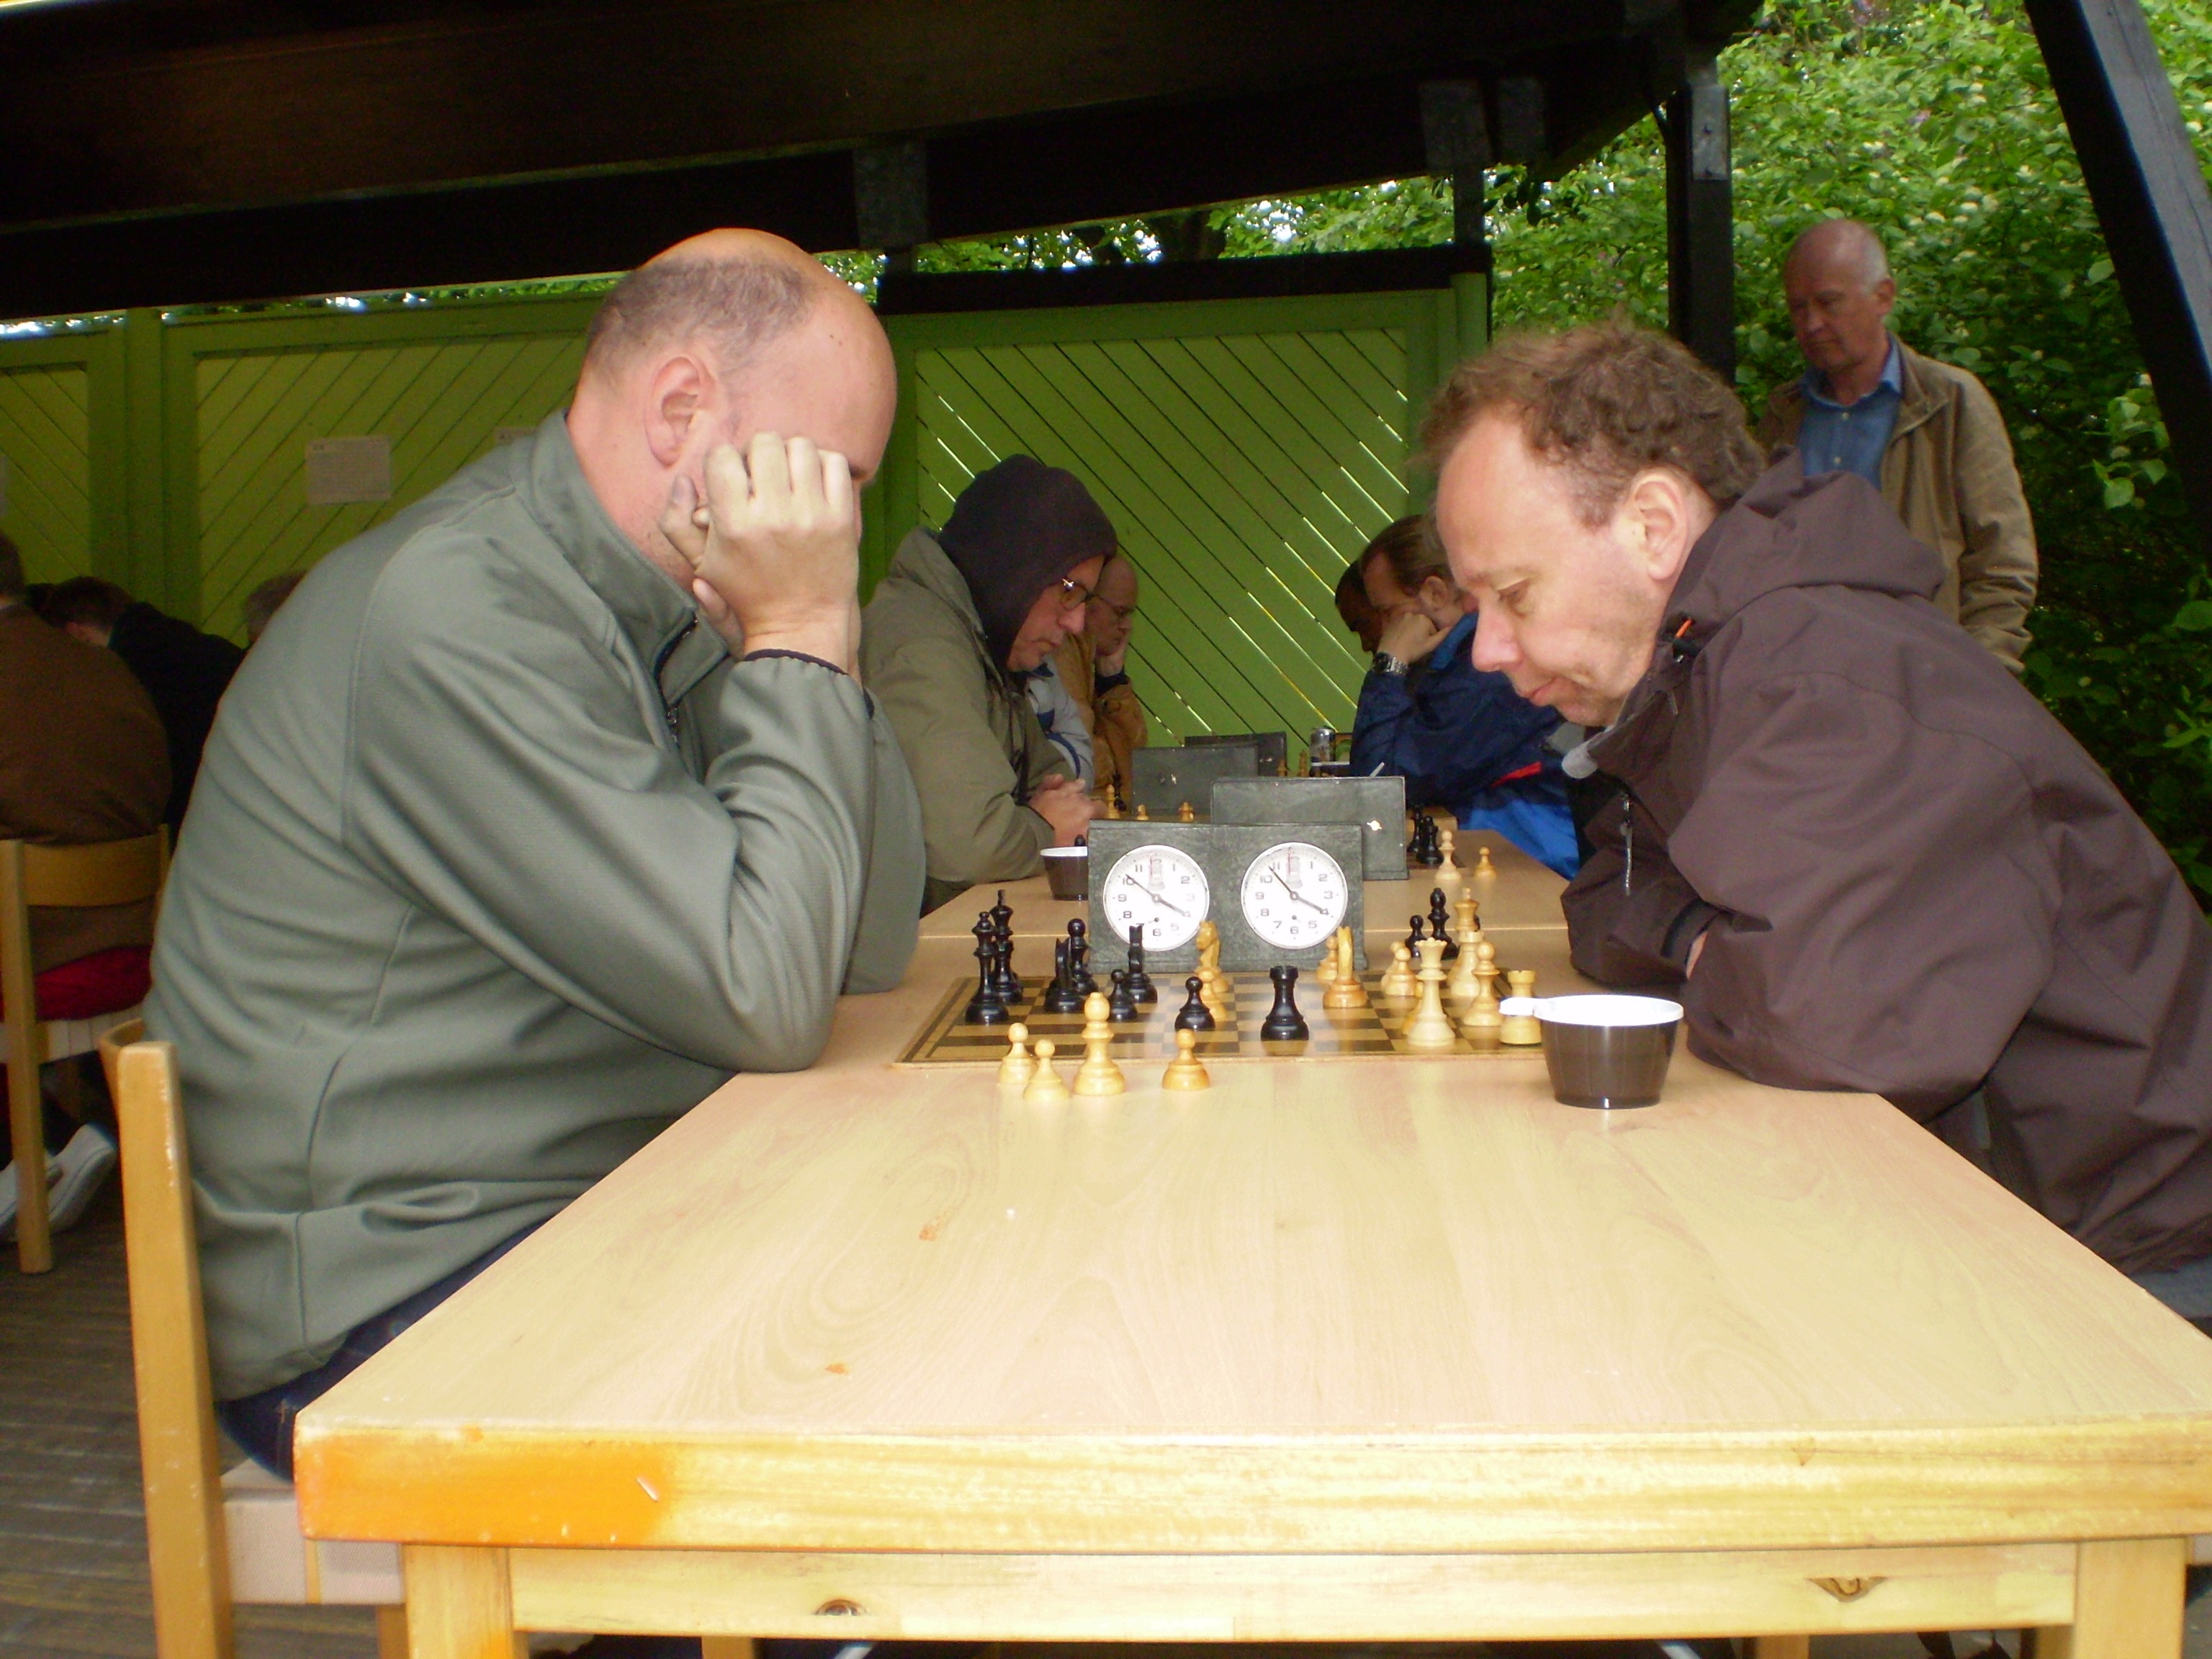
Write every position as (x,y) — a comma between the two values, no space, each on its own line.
(82,759)
(1093,664)
(183,669)
(1461,739)
(1060,717)
(1859,851)
(961,614)
(1354,605)
(551,802)
(261,605)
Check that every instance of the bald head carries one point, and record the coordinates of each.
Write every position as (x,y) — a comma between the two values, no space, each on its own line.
(1841,249)
(1837,277)
(726,334)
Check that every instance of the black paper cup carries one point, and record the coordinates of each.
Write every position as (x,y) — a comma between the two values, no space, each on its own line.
(1068,869)
(1606,1052)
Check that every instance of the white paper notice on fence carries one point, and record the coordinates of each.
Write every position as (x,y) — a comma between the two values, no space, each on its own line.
(341,470)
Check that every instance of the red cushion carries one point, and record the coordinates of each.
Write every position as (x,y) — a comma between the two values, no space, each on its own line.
(97,984)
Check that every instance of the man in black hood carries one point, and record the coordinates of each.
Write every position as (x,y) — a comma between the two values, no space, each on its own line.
(961,616)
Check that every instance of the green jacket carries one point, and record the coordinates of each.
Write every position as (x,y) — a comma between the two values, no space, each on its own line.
(472,902)
(1948,472)
(974,747)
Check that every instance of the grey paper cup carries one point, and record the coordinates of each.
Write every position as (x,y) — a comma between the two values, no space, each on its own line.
(1606,1052)
(1068,869)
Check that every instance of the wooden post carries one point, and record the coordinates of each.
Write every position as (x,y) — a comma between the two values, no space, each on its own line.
(2128,1597)
(2152,204)
(1701,217)
(459,1604)
(27,1133)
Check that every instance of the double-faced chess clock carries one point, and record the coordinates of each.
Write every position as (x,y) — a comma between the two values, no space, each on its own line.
(1276,892)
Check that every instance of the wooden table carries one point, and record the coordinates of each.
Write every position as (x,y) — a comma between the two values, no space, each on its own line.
(1391,1349)
(1522,894)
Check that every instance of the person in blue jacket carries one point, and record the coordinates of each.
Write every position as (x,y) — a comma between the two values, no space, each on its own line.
(1460,737)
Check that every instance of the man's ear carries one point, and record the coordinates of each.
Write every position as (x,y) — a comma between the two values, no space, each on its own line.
(1885,294)
(1660,522)
(677,392)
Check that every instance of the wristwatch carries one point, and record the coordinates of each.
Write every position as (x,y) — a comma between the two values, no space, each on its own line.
(1387,664)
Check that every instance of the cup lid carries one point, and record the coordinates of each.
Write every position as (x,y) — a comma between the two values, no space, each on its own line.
(1602,1009)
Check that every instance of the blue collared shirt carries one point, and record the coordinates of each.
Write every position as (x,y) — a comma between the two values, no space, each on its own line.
(1837,437)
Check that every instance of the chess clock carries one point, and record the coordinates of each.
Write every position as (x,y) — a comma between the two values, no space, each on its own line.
(1276,892)
(1293,895)
(1163,888)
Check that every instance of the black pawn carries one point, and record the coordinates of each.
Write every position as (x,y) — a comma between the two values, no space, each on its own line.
(1194,1015)
(1061,997)
(1120,1007)
(1284,1023)
(1078,958)
(1413,940)
(1141,982)
(985,1007)
(1440,922)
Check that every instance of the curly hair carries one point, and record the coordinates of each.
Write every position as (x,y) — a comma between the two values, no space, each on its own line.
(1603,402)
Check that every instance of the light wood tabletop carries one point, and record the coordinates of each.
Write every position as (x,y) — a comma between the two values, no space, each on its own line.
(1521,894)
(1392,1348)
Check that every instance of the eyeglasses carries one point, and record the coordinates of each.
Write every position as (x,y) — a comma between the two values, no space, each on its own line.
(1073,592)
(1118,612)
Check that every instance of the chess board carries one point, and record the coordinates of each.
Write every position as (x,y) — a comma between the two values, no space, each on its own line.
(1335,1033)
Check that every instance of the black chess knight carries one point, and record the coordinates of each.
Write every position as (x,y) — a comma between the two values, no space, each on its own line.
(1078,958)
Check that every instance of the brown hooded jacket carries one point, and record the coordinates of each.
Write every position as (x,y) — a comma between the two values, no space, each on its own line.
(1911,880)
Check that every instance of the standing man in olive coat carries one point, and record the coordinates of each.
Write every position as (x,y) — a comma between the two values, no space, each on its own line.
(1927,435)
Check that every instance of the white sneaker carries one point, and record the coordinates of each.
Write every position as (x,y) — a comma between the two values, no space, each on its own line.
(78,1171)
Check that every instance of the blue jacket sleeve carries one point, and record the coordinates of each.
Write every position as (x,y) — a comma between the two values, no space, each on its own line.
(1452,735)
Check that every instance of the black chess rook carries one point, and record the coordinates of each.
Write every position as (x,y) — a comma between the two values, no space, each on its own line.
(1284,1023)
(1078,958)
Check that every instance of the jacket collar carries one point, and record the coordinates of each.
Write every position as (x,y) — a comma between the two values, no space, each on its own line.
(654,615)
(921,561)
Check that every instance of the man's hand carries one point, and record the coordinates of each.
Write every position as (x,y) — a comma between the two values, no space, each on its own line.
(1061,803)
(1411,636)
(776,551)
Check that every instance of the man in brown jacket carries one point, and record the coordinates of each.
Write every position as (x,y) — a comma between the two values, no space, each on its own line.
(1093,665)
(83,758)
(1926,435)
(1868,857)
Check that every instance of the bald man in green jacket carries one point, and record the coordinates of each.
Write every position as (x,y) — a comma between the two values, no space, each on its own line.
(538,811)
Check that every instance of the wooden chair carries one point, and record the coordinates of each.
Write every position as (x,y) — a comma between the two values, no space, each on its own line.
(102,873)
(212,1539)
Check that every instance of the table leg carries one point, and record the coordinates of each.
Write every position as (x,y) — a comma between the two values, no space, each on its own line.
(2127,1602)
(392,1633)
(1781,1647)
(726,1647)
(458,1604)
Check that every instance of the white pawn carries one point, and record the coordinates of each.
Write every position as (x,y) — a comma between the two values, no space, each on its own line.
(1449,872)
(1020,1066)
(1398,981)
(1047,1085)
(1098,1074)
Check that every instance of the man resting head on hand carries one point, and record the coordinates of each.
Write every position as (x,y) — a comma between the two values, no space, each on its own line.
(544,810)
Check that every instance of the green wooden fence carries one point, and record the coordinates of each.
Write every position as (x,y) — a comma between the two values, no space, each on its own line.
(1244,448)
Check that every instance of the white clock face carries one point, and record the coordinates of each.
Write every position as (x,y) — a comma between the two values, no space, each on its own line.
(1294,896)
(1163,889)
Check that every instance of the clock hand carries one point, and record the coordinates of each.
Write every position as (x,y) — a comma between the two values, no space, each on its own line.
(1156,899)
(1297,894)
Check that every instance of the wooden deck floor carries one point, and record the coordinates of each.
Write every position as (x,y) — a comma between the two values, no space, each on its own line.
(72,1532)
